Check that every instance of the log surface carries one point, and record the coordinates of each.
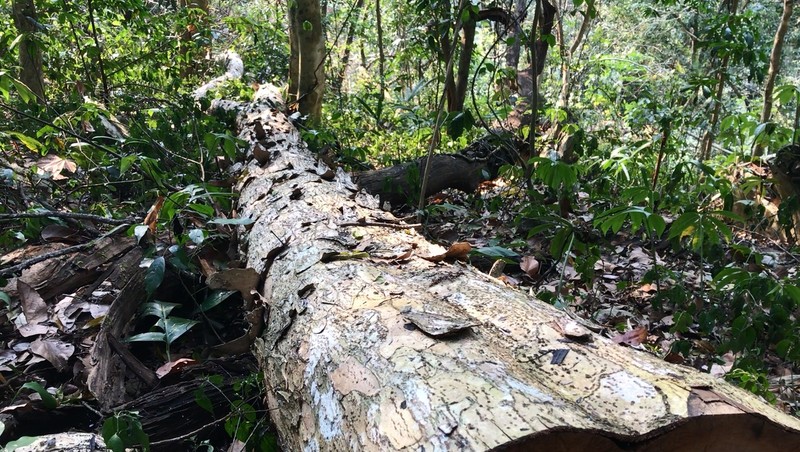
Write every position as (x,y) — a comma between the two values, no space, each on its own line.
(348,367)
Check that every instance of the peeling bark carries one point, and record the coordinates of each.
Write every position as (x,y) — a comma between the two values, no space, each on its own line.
(348,367)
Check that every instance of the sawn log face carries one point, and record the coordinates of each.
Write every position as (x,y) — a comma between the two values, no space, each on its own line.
(346,370)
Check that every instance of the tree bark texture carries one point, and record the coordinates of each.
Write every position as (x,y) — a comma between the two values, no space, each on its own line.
(370,347)
(30,55)
(306,68)
(774,66)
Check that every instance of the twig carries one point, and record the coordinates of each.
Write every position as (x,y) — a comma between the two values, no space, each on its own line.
(75,215)
(383,225)
(62,252)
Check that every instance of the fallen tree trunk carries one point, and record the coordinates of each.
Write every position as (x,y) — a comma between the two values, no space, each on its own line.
(370,347)
(480,161)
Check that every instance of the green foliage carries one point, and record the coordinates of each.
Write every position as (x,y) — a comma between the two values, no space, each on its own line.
(124,430)
(245,422)
(48,400)
(171,327)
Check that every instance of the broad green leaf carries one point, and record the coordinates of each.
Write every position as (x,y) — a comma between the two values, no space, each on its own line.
(47,399)
(158,308)
(152,336)
(496,252)
(175,327)
(115,443)
(202,400)
(202,209)
(215,298)
(154,276)
(126,162)
(30,143)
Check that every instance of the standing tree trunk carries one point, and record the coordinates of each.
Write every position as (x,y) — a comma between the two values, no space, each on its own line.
(515,31)
(348,44)
(306,61)
(381,63)
(30,55)
(708,136)
(774,67)
(456,84)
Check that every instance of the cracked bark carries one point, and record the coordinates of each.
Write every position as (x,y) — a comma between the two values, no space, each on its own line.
(346,368)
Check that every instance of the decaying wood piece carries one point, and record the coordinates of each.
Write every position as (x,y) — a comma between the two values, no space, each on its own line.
(399,184)
(465,170)
(347,368)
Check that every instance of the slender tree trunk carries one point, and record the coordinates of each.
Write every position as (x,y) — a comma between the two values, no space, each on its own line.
(306,71)
(99,47)
(351,34)
(567,54)
(512,54)
(381,61)
(457,98)
(30,55)
(464,60)
(774,67)
(708,137)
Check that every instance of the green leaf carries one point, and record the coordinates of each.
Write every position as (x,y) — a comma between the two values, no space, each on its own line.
(20,442)
(684,225)
(160,309)
(307,26)
(496,252)
(202,400)
(153,336)
(5,298)
(24,92)
(683,320)
(783,348)
(30,143)
(47,399)
(215,298)
(175,327)
(154,276)
(656,224)
(202,209)
(126,162)
(115,443)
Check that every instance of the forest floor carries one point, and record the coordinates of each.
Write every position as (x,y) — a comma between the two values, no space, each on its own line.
(617,290)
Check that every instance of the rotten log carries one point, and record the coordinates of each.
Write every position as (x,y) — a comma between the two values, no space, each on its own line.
(465,170)
(370,347)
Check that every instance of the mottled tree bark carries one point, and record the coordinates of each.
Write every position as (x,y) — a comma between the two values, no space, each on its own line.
(774,67)
(30,55)
(306,61)
(370,346)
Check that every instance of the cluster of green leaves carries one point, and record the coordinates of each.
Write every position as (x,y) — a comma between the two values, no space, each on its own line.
(244,423)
